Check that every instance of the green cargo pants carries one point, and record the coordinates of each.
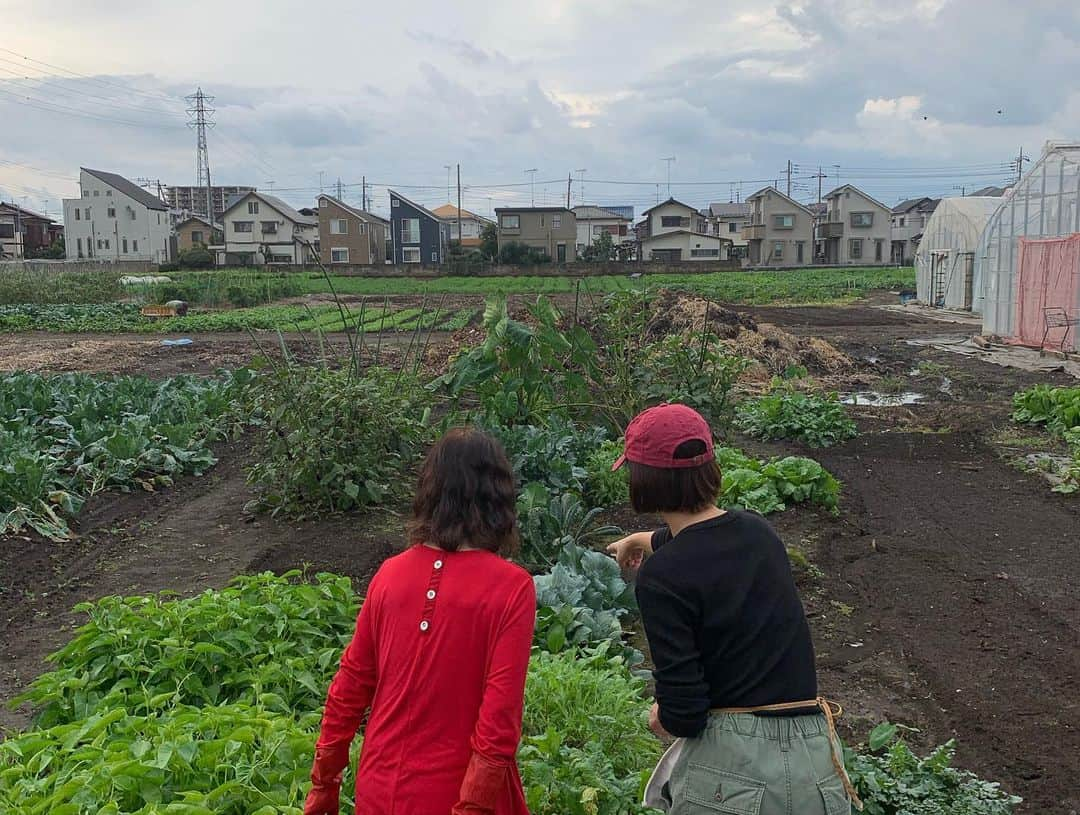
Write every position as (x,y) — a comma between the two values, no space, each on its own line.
(744,764)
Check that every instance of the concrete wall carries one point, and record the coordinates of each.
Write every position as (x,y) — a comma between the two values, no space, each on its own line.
(547,270)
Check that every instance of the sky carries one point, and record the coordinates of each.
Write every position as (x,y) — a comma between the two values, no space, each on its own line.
(926,97)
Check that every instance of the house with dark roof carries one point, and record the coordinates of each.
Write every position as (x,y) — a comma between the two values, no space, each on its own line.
(23,232)
(418,235)
(114,219)
(351,235)
(673,231)
(728,221)
(195,231)
(262,229)
(592,222)
(909,220)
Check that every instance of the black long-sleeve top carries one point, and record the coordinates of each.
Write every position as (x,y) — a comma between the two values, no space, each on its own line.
(724,621)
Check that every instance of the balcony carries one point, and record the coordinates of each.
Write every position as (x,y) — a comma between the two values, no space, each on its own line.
(753,232)
(830,230)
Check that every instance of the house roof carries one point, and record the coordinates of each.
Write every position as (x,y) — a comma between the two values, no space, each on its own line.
(988,192)
(910,204)
(591,213)
(200,219)
(870,198)
(449,211)
(24,212)
(362,214)
(128,188)
(787,198)
(532,209)
(818,209)
(425,210)
(277,204)
(729,210)
(665,203)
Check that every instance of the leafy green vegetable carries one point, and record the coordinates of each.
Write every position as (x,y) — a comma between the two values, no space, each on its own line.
(816,420)
(547,525)
(1059,410)
(551,455)
(773,485)
(603,487)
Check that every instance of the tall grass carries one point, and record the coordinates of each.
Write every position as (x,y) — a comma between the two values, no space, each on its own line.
(49,286)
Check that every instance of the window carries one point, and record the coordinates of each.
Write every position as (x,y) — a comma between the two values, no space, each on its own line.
(361,228)
(410,255)
(784,221)
(778,250)
(733,227)
(410,231)
(556,221)
(856,248)
(86,193)
(268,227)
(112,212)
(393,202)
(324,202)
(124,250)
(253,207)
(511,222)
(78,215)
(901,222)
(108,193)
(704,253)
(7,230)
(134,246)
(242,226)
(879,250)
(196,237)
(339,226)
(131,212)
(78,244)
(434,257)
(339,255)
(598,230)
(88,213)
(97,193)
(675,221)
(862,219)
(106,243)
(99,242)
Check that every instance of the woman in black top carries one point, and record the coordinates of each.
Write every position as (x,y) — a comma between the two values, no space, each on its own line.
(734,662)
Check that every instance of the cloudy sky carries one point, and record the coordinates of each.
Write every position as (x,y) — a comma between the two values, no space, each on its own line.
(902,99)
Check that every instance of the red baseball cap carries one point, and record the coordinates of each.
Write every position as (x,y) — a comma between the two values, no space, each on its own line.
(655,434)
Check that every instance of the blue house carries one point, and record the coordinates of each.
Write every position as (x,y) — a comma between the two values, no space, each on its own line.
(419,236)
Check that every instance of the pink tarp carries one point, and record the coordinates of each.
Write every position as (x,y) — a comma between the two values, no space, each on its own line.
(1049,276)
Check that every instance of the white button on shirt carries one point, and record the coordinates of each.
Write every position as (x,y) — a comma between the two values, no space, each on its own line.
(425,625)
(431,594)
(438,564)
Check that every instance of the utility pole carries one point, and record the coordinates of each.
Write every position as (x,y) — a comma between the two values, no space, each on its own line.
(339,188)
(837,166)
(581,184)
(820,175)
(320,182)
(200,109)
(363,193)
(789,178)
(447,166)
(669,159)
(532,186)
(459,235)
(568,190)
(1020,159)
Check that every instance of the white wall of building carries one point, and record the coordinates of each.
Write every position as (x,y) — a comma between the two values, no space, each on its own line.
(285,245)
(131,232)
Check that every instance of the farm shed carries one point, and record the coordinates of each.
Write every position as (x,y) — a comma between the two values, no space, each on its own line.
(1026,261)
(945,260)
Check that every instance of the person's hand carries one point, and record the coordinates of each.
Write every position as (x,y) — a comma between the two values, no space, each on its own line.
(631,550)
(323,800)
(654,723)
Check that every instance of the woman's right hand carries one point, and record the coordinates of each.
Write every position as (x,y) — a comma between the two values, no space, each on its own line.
(632,550)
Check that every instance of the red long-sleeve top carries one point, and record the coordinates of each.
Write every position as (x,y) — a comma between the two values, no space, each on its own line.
(439,656)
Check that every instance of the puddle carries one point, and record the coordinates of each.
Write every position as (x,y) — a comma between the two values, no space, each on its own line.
(875,399)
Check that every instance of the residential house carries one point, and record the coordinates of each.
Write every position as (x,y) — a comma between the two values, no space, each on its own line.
(989,192)
(262,229)
(418,235)
(728,221)
(472,225)
(195,231)
(592,222)
(909,220)
(114,219)
(780,231)
(673,231)
(350,235)
(856,229)
(192,200)
(23,232)
(550,229)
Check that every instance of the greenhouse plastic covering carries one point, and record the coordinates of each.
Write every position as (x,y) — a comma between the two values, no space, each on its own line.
(944,261)
(1045,204)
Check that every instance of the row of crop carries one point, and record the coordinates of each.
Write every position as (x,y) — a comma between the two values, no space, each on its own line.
(126,318)
(1058,409)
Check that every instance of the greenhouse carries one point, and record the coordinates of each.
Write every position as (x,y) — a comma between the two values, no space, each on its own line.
(1028,262)
(945,259)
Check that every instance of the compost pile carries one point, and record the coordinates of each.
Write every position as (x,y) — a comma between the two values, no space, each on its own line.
(774,349)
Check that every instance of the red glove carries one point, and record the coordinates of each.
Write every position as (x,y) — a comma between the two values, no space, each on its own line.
(484,784)
(326,772)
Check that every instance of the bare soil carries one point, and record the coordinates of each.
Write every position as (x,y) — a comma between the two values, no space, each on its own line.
(943,597)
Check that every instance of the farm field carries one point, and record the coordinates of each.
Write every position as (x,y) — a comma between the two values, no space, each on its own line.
(938,587)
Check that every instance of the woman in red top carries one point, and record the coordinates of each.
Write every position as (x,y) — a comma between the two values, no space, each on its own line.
(440,654)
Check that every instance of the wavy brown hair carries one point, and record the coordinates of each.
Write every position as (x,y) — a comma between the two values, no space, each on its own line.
(465,496)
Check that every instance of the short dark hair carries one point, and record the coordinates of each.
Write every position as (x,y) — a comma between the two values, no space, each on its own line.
(675,489)
(465,495)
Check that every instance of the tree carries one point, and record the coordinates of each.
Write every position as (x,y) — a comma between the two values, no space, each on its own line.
(602,249)
(489,241)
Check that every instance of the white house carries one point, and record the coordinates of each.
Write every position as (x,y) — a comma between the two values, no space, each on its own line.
(674,231)
(115,220)
(472,225)
(728,221)
(592,222)
(260,228)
